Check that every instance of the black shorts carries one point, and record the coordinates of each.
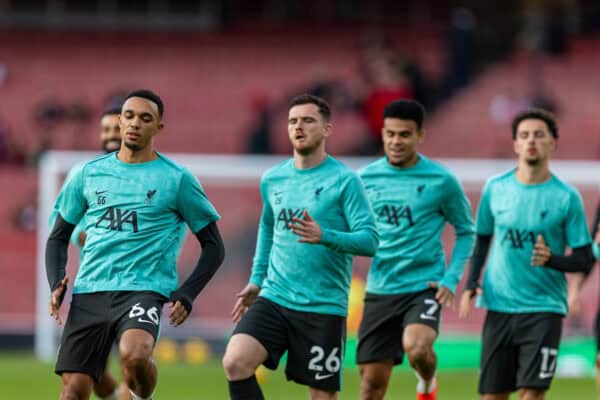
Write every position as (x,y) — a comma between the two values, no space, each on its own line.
(519,351)
(384,319)
(95,320)
(314,342)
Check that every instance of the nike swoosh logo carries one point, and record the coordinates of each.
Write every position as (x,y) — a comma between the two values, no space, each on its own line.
(146,321)
(104,191)
(425,316)
(321,377)
(546,375)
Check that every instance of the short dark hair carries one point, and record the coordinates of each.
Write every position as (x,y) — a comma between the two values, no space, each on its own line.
(536,113)
(148,95)
(405,109)
(321,104)
(112,111)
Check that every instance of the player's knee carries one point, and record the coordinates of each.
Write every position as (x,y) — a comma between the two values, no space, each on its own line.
(75,389)
(372,386)
(419,351)
(138,357)
(237,367)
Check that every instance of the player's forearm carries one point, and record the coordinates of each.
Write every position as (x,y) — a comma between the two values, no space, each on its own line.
(463,248)
(213,253)
(362,242)
(56,251)
(580,260)
(482,246)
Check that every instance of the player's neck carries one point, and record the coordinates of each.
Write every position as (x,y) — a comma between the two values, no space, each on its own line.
(130,156)
(306,161)
(531,174)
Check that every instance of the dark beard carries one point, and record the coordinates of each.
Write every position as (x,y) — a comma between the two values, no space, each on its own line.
(534,162)
(133,146)
(309,150)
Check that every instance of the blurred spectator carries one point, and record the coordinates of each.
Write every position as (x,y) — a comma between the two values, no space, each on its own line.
(461,50)
(3,74)
(387,84)
(505,106)
(260,136)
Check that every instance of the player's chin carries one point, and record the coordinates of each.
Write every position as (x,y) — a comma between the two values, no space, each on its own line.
(134,146)
(304,148)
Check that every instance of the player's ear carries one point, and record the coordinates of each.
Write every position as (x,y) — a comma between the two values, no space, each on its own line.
(421,136)
(328,129)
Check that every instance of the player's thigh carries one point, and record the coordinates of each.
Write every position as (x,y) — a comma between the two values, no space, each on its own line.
(538,339)
(136,344)
(418,337)
(87,337)
(264,322)
(380,330)
(316,350)
(499,358)
(137,311)
(245,349)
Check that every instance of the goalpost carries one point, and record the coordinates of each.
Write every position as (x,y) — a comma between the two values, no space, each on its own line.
(232,181)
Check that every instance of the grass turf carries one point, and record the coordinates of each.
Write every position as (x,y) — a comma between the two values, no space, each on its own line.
(23,377)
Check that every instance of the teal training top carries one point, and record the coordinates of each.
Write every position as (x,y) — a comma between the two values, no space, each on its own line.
(303,276)
(515,214)
(134,218)
(412,206)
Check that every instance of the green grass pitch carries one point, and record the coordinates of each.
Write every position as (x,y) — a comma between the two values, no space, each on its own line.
(24,378)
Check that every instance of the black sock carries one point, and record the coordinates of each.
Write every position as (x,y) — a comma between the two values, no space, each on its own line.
(246,389)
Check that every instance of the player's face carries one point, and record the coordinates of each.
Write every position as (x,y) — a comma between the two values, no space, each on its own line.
(139,123)
(306,128)
(110,134)
(533,143)
(400,140)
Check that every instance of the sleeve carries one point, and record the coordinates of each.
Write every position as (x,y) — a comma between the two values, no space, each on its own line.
(482,246)
(577,233)
(457,211)
(56,251)
(264,240)
(193,205)
(213,253)
(485,218)
(362,239)
(71,203)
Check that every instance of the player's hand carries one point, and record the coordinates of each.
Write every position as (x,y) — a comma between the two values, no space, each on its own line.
(444,296)
(465,301)
(245,299)
(178,313)
(307,228)
(56,298)
(541,253)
